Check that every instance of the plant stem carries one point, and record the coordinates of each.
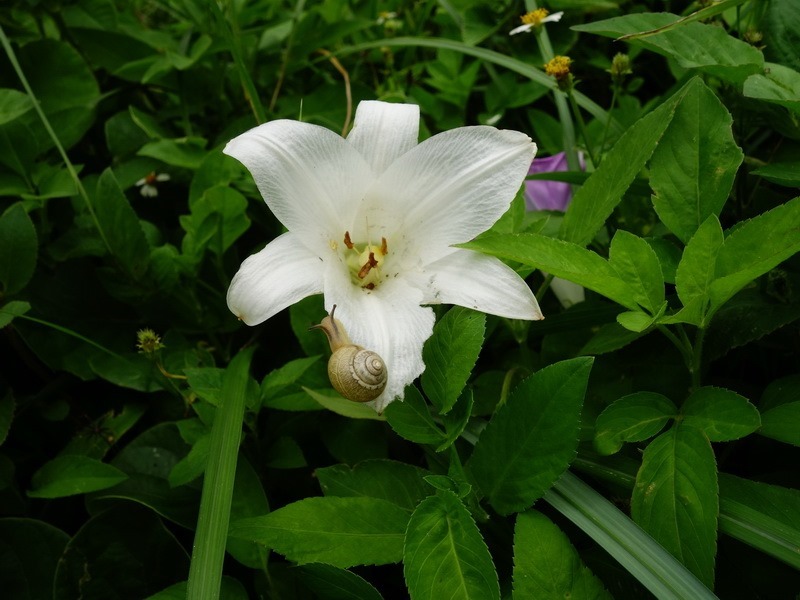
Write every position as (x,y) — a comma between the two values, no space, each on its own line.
(697,362)
(582,127)
(608,122)
(545,285)
(683,348)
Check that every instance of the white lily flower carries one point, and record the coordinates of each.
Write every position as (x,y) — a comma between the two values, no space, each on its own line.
(536,18)
(371,223)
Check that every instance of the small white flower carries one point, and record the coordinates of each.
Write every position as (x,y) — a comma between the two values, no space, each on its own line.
(148,184)
(372,220)
(536,18)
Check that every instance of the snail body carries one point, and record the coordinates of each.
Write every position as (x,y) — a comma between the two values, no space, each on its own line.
(356,373)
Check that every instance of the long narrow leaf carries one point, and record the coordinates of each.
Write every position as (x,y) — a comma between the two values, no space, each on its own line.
(635,550)
(205,573)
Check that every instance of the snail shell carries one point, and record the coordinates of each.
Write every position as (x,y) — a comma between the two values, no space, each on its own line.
(357,374)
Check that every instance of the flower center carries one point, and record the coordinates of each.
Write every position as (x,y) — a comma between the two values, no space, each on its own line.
(365,261)
(534,17)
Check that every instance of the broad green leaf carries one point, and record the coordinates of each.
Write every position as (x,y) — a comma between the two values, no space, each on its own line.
(765,516)
(721,414)
(193,464)
(637,264)
(284,453)
(562,259)
(29,554)
(701,46)
(778,85)
(780,24)
(73,474)
(595,200)
(547,566)
(697,269)
(332,583)
(639,321)
(610,337)
(341,406)
(13,104)
(64,86)
(396,482)
(12,309)
(632,418)
(755,247)
(206,382)
(249,500)
(781,172)
(675,498)
(18,249)
(456,420)
(450,355)
(445,555)
(412,420)
(532,439)
(217,220)
(780,410)
(124,534)
(692,170)
(343,532)
(120,226)
(279,379)
(187,153)
(99,436)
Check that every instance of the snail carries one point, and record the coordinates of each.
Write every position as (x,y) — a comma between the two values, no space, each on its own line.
(357,374)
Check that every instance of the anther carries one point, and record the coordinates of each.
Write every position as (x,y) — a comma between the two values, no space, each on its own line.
(371,262)
(347,241)
(384,247)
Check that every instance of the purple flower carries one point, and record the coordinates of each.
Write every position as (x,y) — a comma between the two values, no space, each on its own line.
(549,195)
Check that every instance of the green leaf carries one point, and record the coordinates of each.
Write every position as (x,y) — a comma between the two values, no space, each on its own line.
(721,414)
(73,474)
(755,247)
(206,382)
(445,555)
(18,249)
(396,482)
(701,46)
(125,534)
(693,168)
(187,153)
(120,226)
(339,531)
(781,172)
(331,583)
(456,420)
(13,104)
(450,355)
(637,264)
(780,419)
(595,200)
(778,85)
(633,418)
(29,554)
(231,589)
(547,566)
(697,269)
(675,498)
(15,308)
(217,220)
(562,259)
(532,439)
(411,419)
(341,406)
(249,500)
(780,24)
(764,516)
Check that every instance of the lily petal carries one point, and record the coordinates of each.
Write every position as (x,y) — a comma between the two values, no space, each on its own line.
(450,188)
(382,132)
(479,282)
(311,178)
(283,273)
(388,321)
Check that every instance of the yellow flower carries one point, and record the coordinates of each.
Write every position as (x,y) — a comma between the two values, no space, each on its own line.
(535,19)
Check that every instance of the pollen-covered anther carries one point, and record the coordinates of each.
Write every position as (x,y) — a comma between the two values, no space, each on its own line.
(347,241)
(368,266)
(384,246)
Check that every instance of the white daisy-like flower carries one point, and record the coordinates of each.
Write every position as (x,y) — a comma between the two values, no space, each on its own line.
(535,19)
(148,184)
(372,220)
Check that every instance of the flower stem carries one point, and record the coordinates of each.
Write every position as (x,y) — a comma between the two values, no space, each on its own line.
(683,348)
(545,285)
(608,122)
(697,362)
(582,126)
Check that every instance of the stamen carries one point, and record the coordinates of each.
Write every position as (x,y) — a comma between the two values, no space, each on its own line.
(371,262)
(384,247)
(347,241)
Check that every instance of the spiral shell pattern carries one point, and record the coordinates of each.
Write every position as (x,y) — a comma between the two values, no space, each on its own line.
(357,374)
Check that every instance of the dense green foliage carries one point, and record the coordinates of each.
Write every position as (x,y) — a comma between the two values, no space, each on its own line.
(530,460)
